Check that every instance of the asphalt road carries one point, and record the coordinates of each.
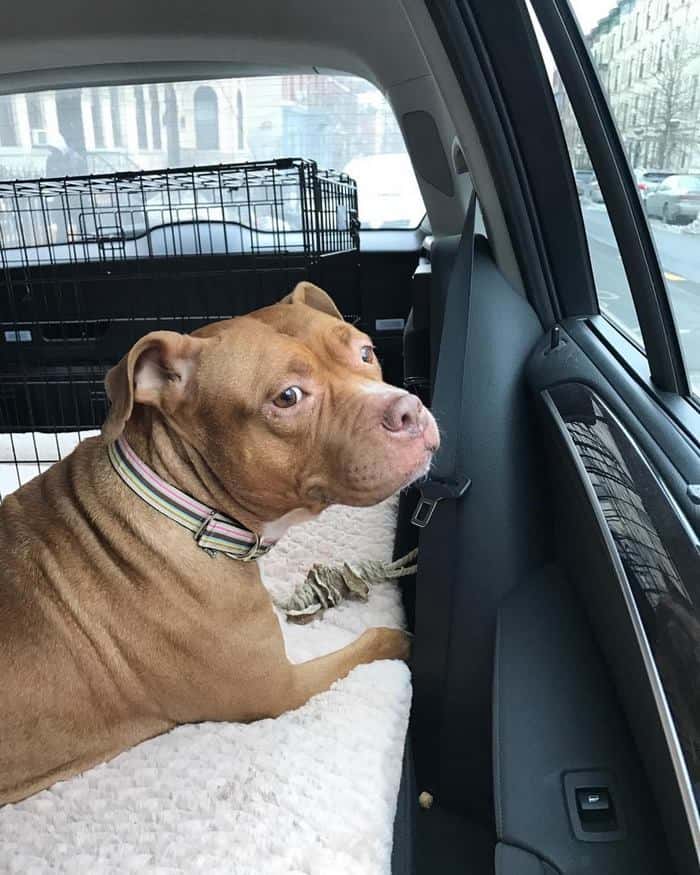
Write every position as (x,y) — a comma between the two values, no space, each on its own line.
(679,253)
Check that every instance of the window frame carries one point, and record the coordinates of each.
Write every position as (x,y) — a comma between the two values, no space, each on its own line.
(632,232)
(499,66)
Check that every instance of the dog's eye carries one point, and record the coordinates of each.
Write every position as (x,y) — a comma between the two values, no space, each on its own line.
(289,397)
(367,353)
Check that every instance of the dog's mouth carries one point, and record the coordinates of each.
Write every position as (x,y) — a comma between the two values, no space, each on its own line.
(421,471)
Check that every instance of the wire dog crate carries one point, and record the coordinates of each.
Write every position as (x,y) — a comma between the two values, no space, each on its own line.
(89,264)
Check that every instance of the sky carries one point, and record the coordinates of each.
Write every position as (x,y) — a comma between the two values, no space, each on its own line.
(589,12)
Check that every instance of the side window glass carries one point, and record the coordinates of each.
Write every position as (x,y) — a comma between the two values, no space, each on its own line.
(614,294)
(647,55)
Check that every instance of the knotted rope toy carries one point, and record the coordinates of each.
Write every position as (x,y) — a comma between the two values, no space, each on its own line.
(327,585)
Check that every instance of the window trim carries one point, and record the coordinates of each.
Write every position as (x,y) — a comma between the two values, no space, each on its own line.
(685,412)
(635,241)
(511,118)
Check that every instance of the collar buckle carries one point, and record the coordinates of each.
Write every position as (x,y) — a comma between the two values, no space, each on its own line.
(254,548)
(201,529)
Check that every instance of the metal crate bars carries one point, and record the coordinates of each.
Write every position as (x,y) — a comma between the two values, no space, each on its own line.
(276,207)
(89,264)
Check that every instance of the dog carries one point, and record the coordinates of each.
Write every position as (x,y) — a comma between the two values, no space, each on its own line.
(130,598)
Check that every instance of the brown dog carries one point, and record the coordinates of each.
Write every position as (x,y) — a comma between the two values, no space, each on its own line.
(115,624)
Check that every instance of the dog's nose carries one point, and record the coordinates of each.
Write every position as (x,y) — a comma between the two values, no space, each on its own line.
(405,415)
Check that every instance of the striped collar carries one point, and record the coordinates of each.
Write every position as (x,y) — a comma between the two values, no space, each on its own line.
(213,531)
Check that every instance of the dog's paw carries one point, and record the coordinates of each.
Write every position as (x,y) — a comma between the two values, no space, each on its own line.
(385,643)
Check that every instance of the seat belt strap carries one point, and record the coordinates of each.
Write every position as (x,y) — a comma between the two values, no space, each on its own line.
(447,478)
(438,552)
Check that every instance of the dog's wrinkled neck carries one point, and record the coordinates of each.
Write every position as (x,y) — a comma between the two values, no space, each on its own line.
(173,458)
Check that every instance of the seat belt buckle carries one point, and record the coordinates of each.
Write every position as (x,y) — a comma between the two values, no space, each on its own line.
(432,492)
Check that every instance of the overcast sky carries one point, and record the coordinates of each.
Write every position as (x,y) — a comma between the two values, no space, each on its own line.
(589,12)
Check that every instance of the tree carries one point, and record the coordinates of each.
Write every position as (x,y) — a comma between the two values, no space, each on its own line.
(672,100)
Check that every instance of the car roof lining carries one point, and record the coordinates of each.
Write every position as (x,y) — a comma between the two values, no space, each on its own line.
(389,42)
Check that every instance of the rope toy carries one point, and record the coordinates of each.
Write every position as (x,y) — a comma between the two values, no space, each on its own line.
(327,585)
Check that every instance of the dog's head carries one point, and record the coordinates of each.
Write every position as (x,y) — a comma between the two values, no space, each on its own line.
(286,405)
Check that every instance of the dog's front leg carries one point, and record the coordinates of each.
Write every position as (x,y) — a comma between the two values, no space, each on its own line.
(317,675)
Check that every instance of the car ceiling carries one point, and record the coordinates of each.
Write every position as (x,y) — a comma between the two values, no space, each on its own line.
(42,35)
(393,43)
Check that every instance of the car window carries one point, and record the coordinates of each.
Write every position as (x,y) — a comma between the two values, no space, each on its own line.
(613,290)
(647,55)
(341,122)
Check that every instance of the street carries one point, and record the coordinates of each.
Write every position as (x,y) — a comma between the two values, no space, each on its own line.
(679,253)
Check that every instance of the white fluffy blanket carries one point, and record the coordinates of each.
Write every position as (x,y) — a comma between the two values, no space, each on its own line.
(312,792)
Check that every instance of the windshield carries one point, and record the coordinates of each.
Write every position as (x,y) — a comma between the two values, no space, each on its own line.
(342,122)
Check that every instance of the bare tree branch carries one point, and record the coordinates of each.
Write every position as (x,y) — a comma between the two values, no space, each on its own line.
(667,117)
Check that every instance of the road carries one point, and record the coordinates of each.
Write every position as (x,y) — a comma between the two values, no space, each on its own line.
(679,253)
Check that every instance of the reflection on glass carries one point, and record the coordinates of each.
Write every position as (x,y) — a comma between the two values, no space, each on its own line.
(661,563)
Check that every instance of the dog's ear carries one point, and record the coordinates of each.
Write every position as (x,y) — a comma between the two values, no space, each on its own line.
(312,296)
(157,370)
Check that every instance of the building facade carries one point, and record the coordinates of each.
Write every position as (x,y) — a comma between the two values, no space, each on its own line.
(99,130)
(647,53)
(121,128)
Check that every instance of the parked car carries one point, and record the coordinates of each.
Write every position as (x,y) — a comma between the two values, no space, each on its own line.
(388,194)
(675,200)
(584,180)
(594,192)
(649,180)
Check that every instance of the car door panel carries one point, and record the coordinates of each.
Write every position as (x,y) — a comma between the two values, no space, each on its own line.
(557,721)
(626,541)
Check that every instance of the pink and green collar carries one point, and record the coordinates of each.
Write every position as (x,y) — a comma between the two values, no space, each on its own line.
(213,531)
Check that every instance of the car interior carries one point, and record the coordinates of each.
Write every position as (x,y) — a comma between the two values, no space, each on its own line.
(556,710)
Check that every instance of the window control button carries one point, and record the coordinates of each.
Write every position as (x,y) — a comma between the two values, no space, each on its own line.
(593,803)
(592,799)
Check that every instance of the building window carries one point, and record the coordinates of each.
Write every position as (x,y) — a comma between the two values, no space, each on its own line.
(642,58)
(206,118)
(667,10)
(8,128)
(35,113)
(240,131)
(141,131)
(116,113)
(652,107)
(636,27)
(660,58)
(155,117)
(97,127)
(693,91)
(622,35)
(69,111)
(630,74)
